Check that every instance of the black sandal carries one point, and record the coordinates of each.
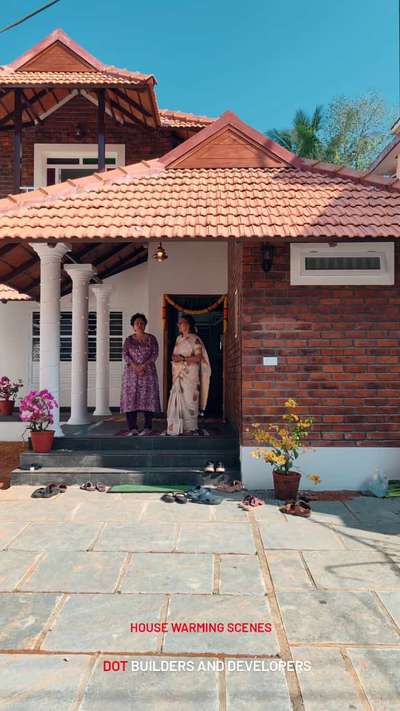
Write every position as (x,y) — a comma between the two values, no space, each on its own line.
(180,498)
(168,498)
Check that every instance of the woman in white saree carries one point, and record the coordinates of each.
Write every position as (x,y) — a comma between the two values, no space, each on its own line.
(191,373)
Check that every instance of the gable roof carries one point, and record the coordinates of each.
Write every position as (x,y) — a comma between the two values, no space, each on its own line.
(295,199)
(242,146)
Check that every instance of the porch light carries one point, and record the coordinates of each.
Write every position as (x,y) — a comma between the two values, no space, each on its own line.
(160,254)
(267,252)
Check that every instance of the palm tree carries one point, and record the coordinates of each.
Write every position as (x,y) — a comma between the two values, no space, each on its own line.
(303,138)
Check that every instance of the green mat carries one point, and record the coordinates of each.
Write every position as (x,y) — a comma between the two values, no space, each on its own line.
(147,488)
(393,488)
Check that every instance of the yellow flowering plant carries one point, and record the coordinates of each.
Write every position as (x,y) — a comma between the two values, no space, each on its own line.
(285,441)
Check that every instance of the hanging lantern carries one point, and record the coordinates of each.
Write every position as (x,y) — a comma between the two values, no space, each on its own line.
(160,254)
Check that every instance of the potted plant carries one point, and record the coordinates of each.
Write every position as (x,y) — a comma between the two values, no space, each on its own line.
(36,409)
(8,395)
(285,443)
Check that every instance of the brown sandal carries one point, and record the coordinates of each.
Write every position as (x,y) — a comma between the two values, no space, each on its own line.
(232,487)
(296,508)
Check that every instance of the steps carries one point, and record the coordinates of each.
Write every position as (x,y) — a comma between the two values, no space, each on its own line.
(123,460)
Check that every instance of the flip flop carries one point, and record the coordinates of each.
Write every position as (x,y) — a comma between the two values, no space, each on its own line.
(168,498)
(100,486)
(299,508)
(46,492)
(180,498)
(88,486)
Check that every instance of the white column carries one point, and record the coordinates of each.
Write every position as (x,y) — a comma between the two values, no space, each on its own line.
(80,275)
(50,287)
(102,293)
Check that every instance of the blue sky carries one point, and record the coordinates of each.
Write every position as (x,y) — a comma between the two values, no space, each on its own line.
(262,59)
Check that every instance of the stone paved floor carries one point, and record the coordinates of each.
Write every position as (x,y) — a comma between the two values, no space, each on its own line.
(77,569)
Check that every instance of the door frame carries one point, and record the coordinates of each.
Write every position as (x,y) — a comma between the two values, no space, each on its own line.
(166,301)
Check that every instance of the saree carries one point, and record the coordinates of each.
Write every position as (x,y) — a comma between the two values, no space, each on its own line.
(190,386)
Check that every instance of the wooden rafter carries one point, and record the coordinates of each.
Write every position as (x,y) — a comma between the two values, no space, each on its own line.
(131,102)
(26,104)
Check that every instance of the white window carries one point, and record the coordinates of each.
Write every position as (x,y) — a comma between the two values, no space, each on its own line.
(342,263)
(56,162)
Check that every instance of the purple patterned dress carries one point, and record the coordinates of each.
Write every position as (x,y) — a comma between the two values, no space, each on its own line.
(139,392)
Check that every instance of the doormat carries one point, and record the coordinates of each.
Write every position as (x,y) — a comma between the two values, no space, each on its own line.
(146,488)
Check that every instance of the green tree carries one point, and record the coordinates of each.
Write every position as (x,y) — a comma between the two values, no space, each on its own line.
(350,132)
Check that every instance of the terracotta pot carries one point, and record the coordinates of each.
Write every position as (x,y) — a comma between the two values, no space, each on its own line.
(286,486)
(6,407)
(42,441)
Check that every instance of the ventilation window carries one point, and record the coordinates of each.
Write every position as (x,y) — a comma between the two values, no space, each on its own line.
(367,263)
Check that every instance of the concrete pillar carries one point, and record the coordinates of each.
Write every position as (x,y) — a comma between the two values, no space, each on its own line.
(50,287)
(102,293)
(80,275)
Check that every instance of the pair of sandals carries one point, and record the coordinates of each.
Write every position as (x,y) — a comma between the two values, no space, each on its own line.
(231,487)
(46,492)
(97,486)
(214,468)
(296,508)
(175,496)
(250,502)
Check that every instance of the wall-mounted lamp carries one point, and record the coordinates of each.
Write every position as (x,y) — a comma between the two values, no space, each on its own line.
(160,254)
(267,252)
(79,131)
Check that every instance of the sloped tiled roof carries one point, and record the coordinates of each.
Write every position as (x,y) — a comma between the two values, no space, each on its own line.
(9,294)
(228,202)
(180,119)
(296,199)
(21,78)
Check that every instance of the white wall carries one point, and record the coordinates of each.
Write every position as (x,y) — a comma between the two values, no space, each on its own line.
(191,268)
(338,467)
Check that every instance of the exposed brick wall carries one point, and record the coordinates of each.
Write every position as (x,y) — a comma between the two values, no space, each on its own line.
(233,365)
(141,143)
(338,349)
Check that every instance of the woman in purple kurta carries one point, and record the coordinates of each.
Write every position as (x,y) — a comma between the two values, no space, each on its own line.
(139,392)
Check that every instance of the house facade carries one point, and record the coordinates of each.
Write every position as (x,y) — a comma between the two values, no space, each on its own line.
(291,265)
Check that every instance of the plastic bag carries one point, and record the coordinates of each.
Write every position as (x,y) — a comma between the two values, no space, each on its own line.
(378,485)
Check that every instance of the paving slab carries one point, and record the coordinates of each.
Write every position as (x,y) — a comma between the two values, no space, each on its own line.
(362,538)
(328,685)
(391,601)
(13,566)
(372,511)
(34,510)
(353,570)
(138,537)
(332,513)
(62,536)
(240,575)
(90,623)
(270,513)
(299,534)
(378,671)
(222,609)
(335,617)
(76,571)
(29,682)
(169,573)
(228,511)
(256,690)
(106,508)
(149,690)
(9,530)
(288,571)
(22,618)
(174,513)
(216,538)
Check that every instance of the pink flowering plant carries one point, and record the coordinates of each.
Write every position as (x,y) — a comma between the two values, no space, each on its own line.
(8,389)
(36,409)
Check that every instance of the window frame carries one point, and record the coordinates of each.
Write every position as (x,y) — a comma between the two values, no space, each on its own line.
(299,276)
(43,151)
